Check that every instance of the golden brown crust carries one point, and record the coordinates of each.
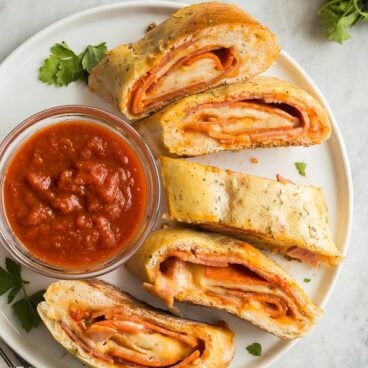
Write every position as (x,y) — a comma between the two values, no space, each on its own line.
(263,211)
(198,17)
(96,294)
(167,133)
(203,25)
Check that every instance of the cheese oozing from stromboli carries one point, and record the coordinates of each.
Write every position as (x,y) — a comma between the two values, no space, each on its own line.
(208,269)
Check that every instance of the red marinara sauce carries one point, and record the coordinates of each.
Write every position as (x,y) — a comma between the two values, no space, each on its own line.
(75,194)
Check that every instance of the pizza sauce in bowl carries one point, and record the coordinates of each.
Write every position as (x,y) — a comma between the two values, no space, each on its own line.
(80,191)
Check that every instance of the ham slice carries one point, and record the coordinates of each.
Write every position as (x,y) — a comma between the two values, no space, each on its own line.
(263,112)
(150,90)
(179,269)
(84,346)
(304,256)
(130,339)
(106,327)
(217,271)
(100,333)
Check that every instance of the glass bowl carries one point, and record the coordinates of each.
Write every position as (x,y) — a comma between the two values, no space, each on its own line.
(125,131)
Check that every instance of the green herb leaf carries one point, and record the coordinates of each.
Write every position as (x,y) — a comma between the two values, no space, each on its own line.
(21,310)
(339,15)
(62,51)
(64,66)
(307,280)
(48,70)
(13,293)
(13,268)
(61,67)
(255,349)
(37,297)
(92,55)
(361,7)
(333,26)
(25,314)
(301,166)
(6,281)
(10,279)
(24,309)
(69,71)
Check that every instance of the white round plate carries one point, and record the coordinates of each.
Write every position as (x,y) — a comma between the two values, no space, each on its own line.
(22,94)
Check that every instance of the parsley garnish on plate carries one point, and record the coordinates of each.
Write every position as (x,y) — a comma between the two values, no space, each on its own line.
(301,166)
(64,66)
(24,309)
(255,349)
(306,280)
(339,15)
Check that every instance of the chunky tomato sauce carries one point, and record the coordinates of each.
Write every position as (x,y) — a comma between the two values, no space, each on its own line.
(75,194)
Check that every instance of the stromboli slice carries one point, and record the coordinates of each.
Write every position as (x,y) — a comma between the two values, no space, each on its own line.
(197,47)
(222,272)
(264,112)
(288,218)
(106,328)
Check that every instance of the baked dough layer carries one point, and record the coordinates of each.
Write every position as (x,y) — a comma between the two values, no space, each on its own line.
(288,218)
(264,112)
(95,321)
(226,273)
(197,47)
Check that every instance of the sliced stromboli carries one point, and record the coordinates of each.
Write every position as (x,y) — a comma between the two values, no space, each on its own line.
(198,47)
(264,112)
(288,218)
(106,328)
(222,272)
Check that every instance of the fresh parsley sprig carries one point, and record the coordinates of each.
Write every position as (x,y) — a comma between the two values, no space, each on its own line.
(24,309)
(339,15)
(64,66)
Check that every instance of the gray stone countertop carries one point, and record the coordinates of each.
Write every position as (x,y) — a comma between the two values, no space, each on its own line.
(341,338)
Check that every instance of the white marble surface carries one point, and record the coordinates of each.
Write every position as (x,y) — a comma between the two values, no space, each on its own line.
(341,72)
